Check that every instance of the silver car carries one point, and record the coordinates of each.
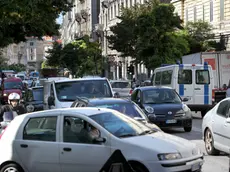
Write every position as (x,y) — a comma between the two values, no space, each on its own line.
(122,87)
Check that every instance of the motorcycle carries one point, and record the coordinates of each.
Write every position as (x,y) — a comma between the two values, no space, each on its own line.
(7,118)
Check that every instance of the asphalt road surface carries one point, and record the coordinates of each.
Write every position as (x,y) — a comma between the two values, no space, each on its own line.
(212,163)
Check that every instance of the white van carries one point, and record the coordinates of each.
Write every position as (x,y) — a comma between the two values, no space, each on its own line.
(62,93)
(193,82)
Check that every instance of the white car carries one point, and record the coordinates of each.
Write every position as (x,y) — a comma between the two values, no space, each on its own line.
(216,128)
(83,139)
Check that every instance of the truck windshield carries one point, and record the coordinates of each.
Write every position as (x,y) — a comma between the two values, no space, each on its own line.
(69,91)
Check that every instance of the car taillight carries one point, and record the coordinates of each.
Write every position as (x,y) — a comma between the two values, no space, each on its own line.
(130,92)
(213,94)
(3,131)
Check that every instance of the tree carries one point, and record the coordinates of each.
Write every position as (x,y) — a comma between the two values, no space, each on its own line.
(80,57)
(149,34)
(25,18)
(200,36)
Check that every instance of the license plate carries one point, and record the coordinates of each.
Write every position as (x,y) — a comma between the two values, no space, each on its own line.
(196,167)
(171,121)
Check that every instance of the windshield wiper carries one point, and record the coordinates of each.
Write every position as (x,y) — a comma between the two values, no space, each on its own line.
(127,135)
(147,132)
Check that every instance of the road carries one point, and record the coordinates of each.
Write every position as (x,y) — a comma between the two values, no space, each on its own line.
(212,163)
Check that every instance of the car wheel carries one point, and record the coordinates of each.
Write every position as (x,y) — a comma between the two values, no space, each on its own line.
(187,129)
(11,168)
(209,143)
(139,167)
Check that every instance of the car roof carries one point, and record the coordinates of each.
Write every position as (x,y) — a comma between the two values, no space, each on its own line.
(109,100)
(12,79)
(80,79)
(86,111)
(154,87)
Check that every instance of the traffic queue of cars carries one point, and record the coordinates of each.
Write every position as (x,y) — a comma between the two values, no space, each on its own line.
(81,117)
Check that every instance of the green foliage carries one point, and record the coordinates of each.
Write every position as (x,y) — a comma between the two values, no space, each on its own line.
(80,56)
(24,18)
(45,65)
(200,36)
(149,34)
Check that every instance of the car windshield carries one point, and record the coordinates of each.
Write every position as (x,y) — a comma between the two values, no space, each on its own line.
(121,84)
(38,94)
(13,85)
(129,109)
(159,96)
(121,125)
(69,91)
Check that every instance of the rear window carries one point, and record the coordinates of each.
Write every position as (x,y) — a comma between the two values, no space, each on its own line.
(13,85)
(202,77)
(185,76)
(121,85)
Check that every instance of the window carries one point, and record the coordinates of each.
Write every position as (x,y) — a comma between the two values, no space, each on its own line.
(31,44)
(223,109)
(203,12)
(166,77)
(126,3)
(131,3)
(184,76)
(76,130)
(211,11)
(187,14)
(13,85)
(158,78)
(121,85)
(202,77)
(194,12)
(221,10)
(41,129)
(115,10)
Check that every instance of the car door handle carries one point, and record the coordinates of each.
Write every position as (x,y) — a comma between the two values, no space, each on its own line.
(24,145)
(197,88)
(67,149)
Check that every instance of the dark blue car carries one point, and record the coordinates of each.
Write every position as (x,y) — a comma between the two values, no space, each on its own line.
(163,106)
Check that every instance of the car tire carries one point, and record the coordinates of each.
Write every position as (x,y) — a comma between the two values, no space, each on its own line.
(138,167)
(11,167)
(187,129)
(209,143)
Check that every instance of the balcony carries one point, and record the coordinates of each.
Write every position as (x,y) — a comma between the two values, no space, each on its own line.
(105,4)
(78,17)
(84,14)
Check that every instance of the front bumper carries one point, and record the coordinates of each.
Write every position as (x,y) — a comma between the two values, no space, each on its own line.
(178,122)
(192,165)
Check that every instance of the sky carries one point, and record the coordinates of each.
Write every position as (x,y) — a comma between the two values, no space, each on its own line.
(59,19)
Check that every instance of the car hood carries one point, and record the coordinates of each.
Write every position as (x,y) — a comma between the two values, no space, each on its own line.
(165,108)
(161,142)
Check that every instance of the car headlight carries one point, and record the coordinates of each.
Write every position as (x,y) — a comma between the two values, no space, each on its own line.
(149,109)
(5,95)
(169,156)
(30,108)
(185,108)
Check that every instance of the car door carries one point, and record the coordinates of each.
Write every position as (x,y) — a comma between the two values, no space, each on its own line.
(77,151)
(219,125)
(38,146)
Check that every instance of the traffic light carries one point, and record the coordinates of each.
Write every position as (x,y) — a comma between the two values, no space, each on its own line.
(130,69)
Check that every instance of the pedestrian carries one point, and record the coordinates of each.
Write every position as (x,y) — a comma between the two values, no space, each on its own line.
(14,106)
(228,90)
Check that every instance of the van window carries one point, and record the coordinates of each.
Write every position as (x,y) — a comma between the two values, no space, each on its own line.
(166,77)
(202,77)
(158,78)
(185,76)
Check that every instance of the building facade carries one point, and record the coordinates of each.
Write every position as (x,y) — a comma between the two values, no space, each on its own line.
(80,20)
(217,12)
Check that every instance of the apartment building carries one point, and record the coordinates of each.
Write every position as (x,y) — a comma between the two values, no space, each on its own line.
(80,20)
(217,12)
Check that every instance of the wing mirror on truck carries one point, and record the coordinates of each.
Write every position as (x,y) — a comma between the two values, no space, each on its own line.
(51,101)
(185,99)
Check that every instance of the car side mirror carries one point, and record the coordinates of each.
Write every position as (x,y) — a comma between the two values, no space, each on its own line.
(99,140)
(51,101)
(185,99)
(228,120)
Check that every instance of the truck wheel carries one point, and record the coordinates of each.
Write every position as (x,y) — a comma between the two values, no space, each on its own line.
(203,113)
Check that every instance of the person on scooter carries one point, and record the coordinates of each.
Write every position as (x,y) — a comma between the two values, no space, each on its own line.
(14,105)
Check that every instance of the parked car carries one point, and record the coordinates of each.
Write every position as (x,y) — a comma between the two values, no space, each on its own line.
(163,106)
(11,85)
(84,139)
(216,128)
(122,87)
(34,99)
(125,106)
